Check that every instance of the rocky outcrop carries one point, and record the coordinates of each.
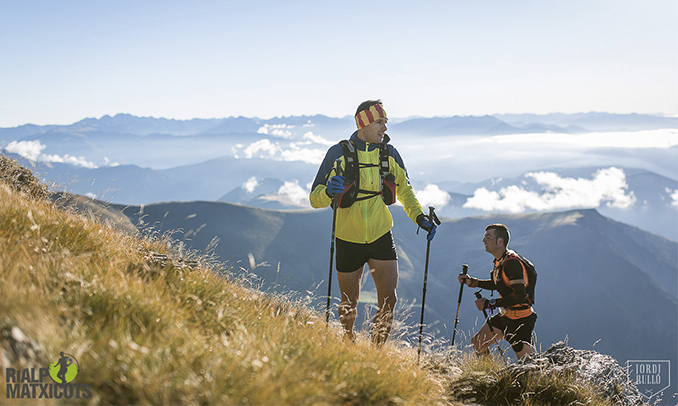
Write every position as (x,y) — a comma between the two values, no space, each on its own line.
(560,375)
(21,179)
(600,371)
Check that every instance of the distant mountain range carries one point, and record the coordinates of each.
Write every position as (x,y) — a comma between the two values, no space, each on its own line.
(602,284)
(256,182)
(270,163)
(466,125)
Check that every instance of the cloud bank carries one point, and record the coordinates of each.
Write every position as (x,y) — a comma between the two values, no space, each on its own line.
(32,150)
(291,194)
(674,198)
(432,195)
(276,130)
(608,186)
(264,148)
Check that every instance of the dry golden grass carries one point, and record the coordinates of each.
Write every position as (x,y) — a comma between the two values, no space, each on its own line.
(150,330)
(151,326)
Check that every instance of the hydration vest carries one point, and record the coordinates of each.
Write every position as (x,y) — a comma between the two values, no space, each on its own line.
(529,276)
(352,175)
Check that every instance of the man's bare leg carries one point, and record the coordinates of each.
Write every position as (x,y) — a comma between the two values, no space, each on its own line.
(484,338)
(385,275)
(349,285)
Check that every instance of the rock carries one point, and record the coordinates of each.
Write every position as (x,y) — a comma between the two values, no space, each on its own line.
(18,350)
(21,179)
(600,371)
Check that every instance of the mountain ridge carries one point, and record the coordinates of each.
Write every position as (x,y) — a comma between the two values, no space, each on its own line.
(557,122)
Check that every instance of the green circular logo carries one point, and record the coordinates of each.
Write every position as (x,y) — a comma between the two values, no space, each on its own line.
(64,369)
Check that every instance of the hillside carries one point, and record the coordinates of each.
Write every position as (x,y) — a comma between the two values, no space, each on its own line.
(600,281)
(151,323)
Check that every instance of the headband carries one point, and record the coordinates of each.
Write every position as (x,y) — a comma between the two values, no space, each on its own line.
(370,115)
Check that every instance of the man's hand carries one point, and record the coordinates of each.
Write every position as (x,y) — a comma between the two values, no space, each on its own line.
(482,303)
(469,281)
(335,185)
(424,222)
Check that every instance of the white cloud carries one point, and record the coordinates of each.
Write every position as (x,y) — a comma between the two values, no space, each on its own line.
(290,194)
(27,149)
(674,198)
(107,162)
(266,149)
(432,195)
(68,159)
(277,130)
(608,186)
(261,145)
(250,184)
(318,139)
(33,150)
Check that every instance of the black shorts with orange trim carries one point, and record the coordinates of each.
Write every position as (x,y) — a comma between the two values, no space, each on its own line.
(515,331)
(352,256)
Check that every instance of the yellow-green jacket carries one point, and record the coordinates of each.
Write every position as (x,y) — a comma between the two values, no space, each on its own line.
(366,220)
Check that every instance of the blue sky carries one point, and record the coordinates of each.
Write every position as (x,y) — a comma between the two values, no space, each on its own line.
(64,61)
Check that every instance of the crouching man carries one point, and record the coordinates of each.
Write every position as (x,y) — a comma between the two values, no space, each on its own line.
(514,278)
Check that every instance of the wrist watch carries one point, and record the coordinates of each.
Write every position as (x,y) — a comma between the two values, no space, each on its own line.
(493,303)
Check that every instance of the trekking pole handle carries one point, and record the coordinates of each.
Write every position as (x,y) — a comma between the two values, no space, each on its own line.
(464,271)
(479,296)
(432,215)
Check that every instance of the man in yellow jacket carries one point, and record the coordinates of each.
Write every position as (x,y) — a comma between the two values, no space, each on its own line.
(363,228)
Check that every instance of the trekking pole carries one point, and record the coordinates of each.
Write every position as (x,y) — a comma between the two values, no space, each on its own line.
(487,320)
(337,169)
(456,318)
(432,218)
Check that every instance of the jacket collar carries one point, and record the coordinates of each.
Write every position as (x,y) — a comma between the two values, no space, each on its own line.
(361,145)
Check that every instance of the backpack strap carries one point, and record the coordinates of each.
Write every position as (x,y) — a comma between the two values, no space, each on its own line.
(383,160)
(351,165)
(352,168)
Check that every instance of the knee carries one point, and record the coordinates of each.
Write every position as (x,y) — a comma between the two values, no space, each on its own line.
(476,343)
(391,300)
(526,348)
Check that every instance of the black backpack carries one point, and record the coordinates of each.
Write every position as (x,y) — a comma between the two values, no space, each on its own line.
(529,269)
(352,175)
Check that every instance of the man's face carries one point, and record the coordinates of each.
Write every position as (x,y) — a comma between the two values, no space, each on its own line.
(492,243)
(374,132)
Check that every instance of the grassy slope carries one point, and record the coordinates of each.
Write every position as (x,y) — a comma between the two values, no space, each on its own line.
(150,330)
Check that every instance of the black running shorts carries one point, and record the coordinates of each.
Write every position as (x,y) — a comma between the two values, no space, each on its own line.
(352,256)
(515,331)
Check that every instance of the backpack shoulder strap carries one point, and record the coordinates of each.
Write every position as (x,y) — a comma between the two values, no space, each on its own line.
(351,165)
(515,255)
(384,168)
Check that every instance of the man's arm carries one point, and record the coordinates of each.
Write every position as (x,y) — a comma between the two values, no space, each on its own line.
(403,188)
(472,282)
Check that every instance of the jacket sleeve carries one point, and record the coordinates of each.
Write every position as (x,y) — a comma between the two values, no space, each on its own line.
(403,188)
(319,197)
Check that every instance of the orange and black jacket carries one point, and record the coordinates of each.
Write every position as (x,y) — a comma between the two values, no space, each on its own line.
(508,277)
